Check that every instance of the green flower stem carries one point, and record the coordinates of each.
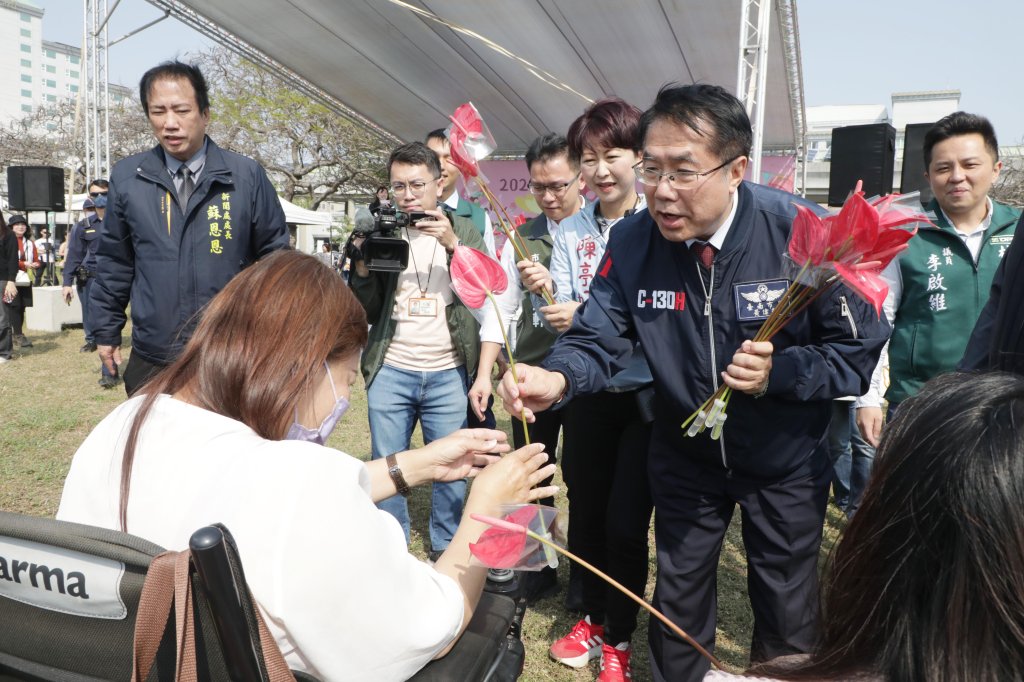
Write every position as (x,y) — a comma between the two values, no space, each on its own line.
(510,233)
(622,588)
(511,362)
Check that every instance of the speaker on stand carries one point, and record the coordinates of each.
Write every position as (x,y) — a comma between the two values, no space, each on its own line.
(35,188)
(912,176)
(862,152)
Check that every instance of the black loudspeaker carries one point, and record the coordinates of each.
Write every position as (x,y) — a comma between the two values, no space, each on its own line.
(35,188)
(866,152)
(912,176)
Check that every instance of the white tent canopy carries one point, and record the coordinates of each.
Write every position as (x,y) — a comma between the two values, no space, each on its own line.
(529,67)
(303,216)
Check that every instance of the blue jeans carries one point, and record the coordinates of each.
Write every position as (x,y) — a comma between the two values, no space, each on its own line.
(852,457)
(397,398)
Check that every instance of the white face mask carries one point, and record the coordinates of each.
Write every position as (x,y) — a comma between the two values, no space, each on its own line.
(319,435)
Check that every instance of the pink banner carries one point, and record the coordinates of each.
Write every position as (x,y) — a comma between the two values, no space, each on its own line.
(510,183)
(777,171)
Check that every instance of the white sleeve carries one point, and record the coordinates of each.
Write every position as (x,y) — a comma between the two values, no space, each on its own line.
(489,235)
(355,603)
(894,278)
(508,301)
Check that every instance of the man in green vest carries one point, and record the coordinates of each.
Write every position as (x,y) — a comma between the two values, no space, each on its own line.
(556,184)
(938,286)
(450,197)
(466,210)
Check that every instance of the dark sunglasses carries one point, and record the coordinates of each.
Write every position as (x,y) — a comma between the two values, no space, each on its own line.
(96,194)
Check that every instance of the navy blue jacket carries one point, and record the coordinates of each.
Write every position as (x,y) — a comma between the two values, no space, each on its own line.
(82,244)
(997,342)
(649,289)
(168,262)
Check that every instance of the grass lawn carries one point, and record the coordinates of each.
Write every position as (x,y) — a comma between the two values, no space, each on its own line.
(52,401)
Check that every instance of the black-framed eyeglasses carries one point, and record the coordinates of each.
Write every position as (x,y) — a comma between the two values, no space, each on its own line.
(557,189)
(96,194)
(417,187)
(677,179)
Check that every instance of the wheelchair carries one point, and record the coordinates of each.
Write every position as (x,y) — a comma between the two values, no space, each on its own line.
(70,612)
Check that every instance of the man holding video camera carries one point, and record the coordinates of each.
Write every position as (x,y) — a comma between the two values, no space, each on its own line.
(424,343)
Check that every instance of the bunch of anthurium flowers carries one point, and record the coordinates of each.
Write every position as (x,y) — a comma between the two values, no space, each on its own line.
(470,141)
(852,247)
(528,537)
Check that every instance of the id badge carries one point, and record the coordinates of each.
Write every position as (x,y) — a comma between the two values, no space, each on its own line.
(423,307)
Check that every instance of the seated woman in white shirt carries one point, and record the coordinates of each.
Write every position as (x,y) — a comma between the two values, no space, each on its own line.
(218,437)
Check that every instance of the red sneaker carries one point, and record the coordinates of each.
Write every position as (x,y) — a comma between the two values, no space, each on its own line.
(615,663)
(581,645)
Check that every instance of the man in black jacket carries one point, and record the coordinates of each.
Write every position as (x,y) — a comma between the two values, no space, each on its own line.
(182,220)
(8,271)
(692,279)
(997,342)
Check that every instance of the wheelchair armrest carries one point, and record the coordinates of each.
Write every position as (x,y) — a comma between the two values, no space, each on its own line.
(481,647)
(225,590)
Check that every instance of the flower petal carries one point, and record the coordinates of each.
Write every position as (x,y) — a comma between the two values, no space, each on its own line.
(499,548)
(474,274)
(808,238)
(868,284)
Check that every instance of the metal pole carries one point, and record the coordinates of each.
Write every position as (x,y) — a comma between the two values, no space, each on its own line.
(764,33)
(83,87)
(106,94)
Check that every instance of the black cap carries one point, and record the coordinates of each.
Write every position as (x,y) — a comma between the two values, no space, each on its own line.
(15,219)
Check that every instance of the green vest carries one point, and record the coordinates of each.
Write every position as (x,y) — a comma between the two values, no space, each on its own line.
(533,339)
(467,209)
(943,294)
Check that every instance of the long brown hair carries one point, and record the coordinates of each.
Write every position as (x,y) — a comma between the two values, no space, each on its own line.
(259,347)
(927,583)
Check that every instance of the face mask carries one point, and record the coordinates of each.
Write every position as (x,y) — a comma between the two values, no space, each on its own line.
(319,436)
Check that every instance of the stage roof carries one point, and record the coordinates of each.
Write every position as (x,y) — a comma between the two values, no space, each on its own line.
(529,66)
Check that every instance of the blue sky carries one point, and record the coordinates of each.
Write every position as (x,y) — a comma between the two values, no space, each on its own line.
(853,52)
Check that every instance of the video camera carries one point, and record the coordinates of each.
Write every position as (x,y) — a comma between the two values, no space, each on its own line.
(384,248)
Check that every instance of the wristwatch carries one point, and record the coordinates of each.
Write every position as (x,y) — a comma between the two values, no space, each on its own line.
(395,472)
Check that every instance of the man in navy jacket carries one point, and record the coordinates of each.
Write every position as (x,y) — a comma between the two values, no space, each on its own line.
(182,220)
(997,342)
(693,278)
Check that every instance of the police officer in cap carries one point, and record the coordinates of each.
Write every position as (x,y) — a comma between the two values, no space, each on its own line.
(80,268)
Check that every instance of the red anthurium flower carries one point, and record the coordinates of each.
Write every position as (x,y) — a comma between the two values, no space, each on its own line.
(808,239)
(469,139)
(519,220)
(500,546)
(866,283)
(475,274)
(854,230)
(889,243)
(461,158)
(503,545)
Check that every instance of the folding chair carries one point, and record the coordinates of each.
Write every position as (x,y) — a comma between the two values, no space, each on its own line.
(69,602)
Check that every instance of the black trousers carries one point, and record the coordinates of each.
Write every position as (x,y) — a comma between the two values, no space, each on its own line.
(544,430)
(605,469)
(782,523)
(137,373)
(16,309)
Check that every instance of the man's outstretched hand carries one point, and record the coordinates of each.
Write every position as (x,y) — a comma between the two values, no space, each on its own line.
(536,390)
